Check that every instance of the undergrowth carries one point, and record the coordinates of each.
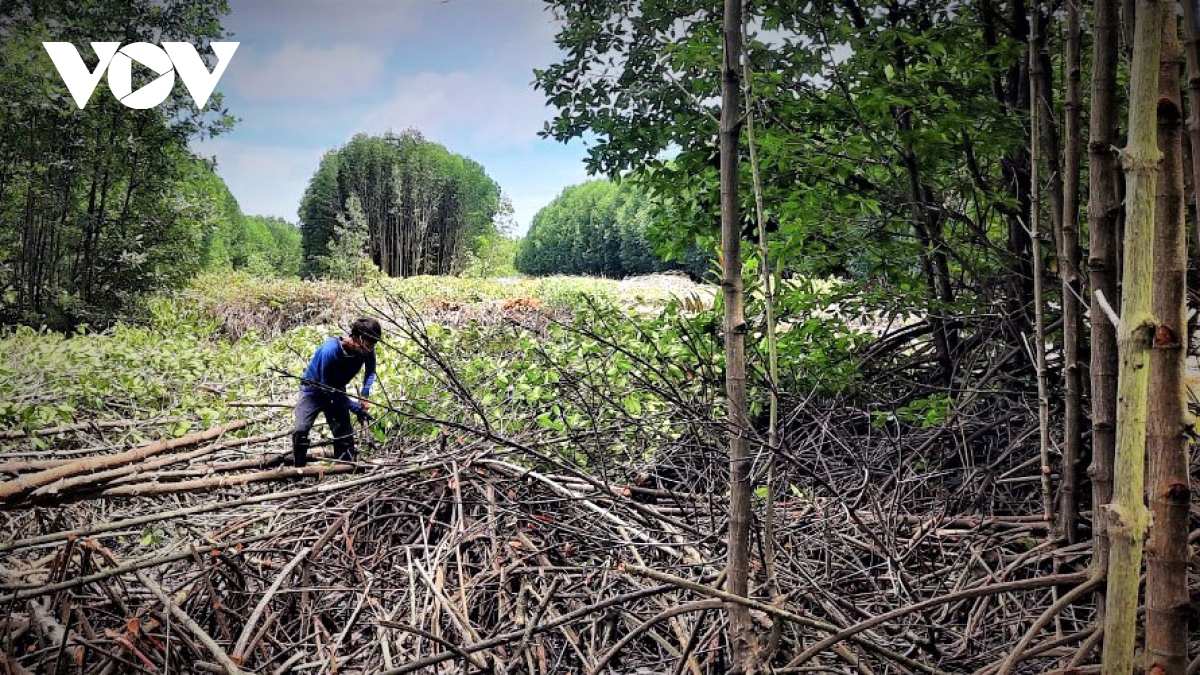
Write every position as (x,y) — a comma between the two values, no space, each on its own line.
(562,354)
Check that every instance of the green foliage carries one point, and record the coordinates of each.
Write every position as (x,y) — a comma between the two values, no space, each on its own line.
(264,246)
(889,138)
(247,338)
(126,372)
(645,368)
(347,259)
(425,207)
(319,210)
(597,228)
(494,256)
(926,412)
(931,411)
(816,336)
(270,247)
(526,381)
(92,215)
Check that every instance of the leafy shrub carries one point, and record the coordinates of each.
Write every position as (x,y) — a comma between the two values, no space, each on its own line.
(132,372)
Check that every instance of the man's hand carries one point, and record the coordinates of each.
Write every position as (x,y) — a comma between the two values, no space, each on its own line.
(364,403)
(363,416)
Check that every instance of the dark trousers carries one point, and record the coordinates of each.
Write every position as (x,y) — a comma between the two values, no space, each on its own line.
(337,414)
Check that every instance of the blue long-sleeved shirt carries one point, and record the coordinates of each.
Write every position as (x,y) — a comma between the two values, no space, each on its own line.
(331,369)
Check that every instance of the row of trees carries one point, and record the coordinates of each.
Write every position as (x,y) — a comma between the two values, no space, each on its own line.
(421,209)
(92,212)
(923,147)
(597,228)
(261,245)
(230,240)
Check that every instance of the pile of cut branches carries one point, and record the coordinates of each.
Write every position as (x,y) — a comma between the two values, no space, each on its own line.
(506,544)
(453,555)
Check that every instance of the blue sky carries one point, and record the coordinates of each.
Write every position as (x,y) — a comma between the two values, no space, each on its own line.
(309,74)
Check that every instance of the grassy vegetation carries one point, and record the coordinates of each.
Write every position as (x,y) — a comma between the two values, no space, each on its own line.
(520,347)
(225,337)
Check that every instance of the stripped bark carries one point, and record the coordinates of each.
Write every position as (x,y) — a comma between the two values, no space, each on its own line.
(21,485)
(1040,131)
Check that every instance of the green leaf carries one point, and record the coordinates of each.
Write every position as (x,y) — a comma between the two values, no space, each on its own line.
(633,405)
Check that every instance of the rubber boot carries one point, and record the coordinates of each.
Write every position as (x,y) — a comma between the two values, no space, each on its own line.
(344,452)
(300,445)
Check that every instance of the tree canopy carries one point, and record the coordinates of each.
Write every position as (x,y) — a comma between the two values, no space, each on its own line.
(597,228)
(92,212)
(889,135)
(425,207)
(261,245)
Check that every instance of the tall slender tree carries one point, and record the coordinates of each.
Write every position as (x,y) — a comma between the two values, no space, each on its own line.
(93,210)
(741,631)
(1041,141)
(1167,599)
(425,207)
(1127,514)
(1191,28)
(1072,288)
(1103,212)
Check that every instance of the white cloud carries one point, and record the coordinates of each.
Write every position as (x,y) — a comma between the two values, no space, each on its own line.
(266,180)
(481,109)
(307,73)
(311,20)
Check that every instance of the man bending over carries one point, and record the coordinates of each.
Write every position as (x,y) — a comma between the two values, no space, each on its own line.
(323,389)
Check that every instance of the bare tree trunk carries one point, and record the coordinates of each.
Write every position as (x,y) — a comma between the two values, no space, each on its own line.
(741,630)
(1192,32)
(1072,288)
(767,274)
(1038,131)
(934,264)
(1103,211)
(1015,172)
(1167,549)
(1127,514)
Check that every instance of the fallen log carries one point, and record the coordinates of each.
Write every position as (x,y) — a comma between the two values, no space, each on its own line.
(207,507)
(215,482)
(18,487)
(67,484)
(27,465)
